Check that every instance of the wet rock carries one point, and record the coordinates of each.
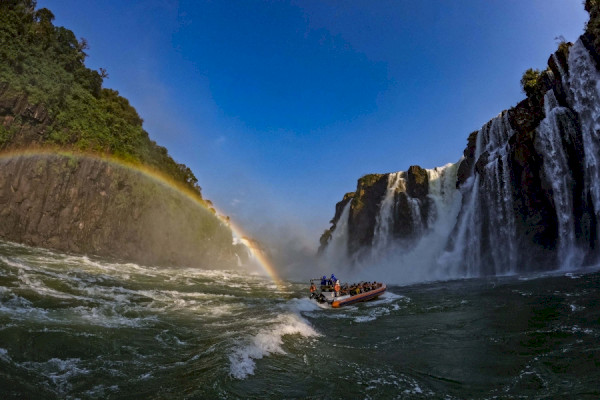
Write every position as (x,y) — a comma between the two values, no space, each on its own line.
(89,206)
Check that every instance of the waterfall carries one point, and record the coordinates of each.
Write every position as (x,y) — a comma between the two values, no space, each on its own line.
(415,213)
(485,232)
(387,217)
(445,198)
(584,81)
(464,257)
(336,252)
(414,260)
(484,239)
(384,220)
(497,210)
(479,229)
(557,171)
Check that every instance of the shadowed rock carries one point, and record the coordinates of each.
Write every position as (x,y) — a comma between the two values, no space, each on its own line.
(89,206)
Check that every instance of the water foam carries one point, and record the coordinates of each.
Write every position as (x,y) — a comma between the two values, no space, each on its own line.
(268,341)
(58,371)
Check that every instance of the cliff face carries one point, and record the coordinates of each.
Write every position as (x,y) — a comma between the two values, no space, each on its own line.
(50,102)
(90,206)
(528,180)
(527,177)
(393,205)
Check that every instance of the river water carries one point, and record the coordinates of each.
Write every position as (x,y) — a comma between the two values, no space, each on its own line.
(76,327)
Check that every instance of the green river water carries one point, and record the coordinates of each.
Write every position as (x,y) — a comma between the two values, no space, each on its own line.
(74,327)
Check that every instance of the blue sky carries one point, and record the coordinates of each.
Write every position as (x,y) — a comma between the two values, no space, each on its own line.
(280,106)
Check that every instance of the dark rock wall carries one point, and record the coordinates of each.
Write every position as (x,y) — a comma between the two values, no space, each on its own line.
(364,209)
(413,196)
(513,216)
(366,205)
(89,206)
(339,209)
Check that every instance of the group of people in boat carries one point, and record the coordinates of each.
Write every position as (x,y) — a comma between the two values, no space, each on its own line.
(362,287)
(332,284)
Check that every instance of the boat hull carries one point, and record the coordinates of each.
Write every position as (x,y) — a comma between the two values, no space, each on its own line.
(366,296)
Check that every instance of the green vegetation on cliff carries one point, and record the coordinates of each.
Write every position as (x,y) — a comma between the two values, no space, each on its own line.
(363,183)
(529,81)
(46,63)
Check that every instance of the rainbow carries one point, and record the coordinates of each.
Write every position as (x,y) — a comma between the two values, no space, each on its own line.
(165,181)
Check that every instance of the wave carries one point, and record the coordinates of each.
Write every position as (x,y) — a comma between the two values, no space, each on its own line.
(268,341)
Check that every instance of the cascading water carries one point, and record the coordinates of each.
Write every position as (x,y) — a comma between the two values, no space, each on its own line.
(443,194)
(557,171)
(485,236)
(584,81)
(414,261)
(415,213)
(385,222)
(336,252)
(557,167)
(497,198)
(485,233)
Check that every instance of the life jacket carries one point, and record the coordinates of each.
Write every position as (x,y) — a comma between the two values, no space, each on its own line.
(312,289)
(337,287)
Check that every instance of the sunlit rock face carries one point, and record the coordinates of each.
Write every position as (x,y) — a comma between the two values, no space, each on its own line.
(88,206)
(528,186)
(391,209)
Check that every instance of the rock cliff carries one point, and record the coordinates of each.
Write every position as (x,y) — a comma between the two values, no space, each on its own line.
(528,181)
(398,198)
(94,199)
(88,205)
(91,206)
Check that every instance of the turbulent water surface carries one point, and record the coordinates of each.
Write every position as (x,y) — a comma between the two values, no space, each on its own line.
(73,327)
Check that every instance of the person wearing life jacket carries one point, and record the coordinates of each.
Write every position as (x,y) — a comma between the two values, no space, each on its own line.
(313,290)
(337,288)
(323,283)
(344,290)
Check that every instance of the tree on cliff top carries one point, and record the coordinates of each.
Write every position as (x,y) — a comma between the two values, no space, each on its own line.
(47,64)
(530,80)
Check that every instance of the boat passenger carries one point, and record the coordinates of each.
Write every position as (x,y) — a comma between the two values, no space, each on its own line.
(337,288)
(323,283)
(313,290)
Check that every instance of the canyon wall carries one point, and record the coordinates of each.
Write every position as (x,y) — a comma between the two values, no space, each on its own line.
(527,186)
(91,206)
